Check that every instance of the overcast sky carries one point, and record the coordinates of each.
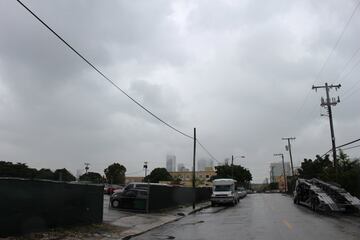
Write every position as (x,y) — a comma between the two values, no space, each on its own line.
(239,71)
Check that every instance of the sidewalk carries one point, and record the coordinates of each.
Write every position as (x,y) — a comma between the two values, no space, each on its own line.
(138,223)
(116,225)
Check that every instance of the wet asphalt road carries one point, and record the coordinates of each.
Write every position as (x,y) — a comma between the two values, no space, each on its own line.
(259,216)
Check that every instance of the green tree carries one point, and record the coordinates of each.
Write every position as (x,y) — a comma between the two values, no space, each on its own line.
(115,173)
(20,170)
(158,174)
(45,174)
(63,175)
(273,186)
(348,171)
(91,177)
(315,169)
(241,174)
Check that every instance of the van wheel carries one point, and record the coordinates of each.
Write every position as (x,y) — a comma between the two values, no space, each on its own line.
(115,203)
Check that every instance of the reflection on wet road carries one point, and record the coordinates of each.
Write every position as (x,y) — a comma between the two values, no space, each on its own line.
(259,216)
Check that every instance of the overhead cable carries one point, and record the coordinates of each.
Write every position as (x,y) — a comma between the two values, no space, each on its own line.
(101,73)
(207,151)
(346,144)
(109,80)
(356,146)
(330,54)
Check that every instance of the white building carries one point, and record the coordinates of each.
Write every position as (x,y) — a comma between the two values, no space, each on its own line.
(171,163)
(276,170)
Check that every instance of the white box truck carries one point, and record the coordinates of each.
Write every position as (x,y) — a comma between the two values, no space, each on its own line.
(224,192)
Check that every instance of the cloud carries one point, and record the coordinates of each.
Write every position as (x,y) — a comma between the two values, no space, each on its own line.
(240,72)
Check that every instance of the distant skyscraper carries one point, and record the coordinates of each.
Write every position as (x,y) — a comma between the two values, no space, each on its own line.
(204,164)
(171,163)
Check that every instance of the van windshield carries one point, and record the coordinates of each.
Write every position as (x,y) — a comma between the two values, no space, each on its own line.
(224,188)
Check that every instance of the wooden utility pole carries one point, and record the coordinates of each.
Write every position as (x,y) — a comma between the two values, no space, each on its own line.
(289,148)
(328,103)
(193,170)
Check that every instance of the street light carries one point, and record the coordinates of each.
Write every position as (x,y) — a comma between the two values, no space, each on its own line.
(282,157)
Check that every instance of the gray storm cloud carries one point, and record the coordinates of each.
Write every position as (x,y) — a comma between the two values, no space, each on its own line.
(239,71)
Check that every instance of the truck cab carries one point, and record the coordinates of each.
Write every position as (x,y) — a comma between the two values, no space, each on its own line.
(224,192)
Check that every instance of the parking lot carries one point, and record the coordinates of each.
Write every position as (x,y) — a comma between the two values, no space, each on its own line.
(110,214)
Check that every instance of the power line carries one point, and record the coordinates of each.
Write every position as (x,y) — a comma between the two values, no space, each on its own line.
(346,144)
(351,93)
(101,73)
(337,42)
(356,146)
(110,81)
(347,64)
(326,153)
(330,54)
(351,90)
(207,151)
(348,73)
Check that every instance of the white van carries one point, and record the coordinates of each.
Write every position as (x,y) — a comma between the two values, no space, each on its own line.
(224,191)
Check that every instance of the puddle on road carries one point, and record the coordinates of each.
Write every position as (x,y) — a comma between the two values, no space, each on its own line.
(158,236)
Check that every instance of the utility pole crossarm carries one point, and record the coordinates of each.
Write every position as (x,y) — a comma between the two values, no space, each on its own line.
(327,86)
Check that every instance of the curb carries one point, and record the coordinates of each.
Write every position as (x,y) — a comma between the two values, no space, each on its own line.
(147,230)
(174,220)
(199,209)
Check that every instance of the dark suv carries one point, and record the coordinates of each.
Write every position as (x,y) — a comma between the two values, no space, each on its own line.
(129,199)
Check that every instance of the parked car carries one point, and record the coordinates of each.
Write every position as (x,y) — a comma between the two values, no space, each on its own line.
(224,192)
(110,188)
(118,190)
(142,185)
(242,192)
(137,185)
(129,199)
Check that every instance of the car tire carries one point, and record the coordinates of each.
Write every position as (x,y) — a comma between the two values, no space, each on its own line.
(213,204)
(115,203)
